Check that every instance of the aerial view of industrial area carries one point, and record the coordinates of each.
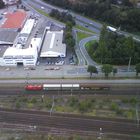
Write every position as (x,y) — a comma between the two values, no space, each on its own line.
(69,70)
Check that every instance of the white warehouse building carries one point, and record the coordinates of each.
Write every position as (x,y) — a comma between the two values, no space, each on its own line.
(14,56)
(53,45)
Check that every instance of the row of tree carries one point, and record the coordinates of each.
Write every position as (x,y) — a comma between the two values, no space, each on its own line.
(124,17)
(2,5)
(68,19)
(69,40)
(62,16)
(107,69)
(114,49)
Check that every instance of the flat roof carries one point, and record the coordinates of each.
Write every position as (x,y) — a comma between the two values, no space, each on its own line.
(10,1)
(7,36)
(14,20)
(3,48)
(52,45)
(17,51)
(28,26)
(13,51)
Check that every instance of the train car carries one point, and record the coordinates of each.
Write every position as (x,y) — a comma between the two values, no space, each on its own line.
(76,86)
(70,86)
(54,87)
(94,87)
(34,87)
(51,86)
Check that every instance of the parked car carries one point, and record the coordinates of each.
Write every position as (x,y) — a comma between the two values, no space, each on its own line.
(72,63)
(32,68)
(56,68)
(26,68)
(59,63)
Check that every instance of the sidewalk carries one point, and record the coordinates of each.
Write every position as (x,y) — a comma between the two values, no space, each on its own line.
(66,71)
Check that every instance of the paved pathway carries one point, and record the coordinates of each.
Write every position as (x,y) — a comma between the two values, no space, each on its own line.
(66,71)
(82,44)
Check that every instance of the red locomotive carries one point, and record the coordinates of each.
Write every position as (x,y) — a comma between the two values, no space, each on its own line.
(34,87)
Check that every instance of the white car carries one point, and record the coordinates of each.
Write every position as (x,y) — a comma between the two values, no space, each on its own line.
(59,63)
(42,8)
(26,68)
(56,68)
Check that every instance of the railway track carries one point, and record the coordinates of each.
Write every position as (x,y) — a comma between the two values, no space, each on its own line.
(19,91)
(69,122)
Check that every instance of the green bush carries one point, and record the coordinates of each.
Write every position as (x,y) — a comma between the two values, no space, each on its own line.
(33,100)
(129,114)
(114,107)
(30,105)
(73,101)
(133,101)
(18,105)
(85,106)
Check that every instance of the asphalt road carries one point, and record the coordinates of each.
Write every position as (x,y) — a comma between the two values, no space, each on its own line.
(94,26)
(82,44)
(117,82)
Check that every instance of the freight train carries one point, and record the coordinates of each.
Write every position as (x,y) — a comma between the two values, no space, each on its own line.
(52,87)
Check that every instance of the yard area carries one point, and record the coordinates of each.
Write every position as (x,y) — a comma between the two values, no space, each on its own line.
(91,105)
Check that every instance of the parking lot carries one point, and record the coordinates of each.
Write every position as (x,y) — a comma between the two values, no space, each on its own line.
(51,71)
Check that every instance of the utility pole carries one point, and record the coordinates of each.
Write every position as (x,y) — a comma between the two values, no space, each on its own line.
(52,107)
(71,91)
(27,78)
(137,115)
(129,64)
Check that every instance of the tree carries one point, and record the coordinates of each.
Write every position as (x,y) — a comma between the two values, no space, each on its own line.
(114,71)
(106,69)
(137,69)
(2,4)
(102,49)
(70,42)
(92,69)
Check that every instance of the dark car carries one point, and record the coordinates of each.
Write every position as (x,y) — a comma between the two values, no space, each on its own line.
(32,68)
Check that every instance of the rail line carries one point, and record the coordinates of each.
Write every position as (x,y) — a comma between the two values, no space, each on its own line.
(112,91)
(66,122)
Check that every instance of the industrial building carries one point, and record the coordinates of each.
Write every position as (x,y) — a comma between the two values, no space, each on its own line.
(10,2)
(53,45)
(9,27)
(19,53)
(15,56)
(24,49)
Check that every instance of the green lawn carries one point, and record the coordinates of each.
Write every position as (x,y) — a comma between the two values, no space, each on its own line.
(90,43)
(81,36)
(42,12)
(83,28)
